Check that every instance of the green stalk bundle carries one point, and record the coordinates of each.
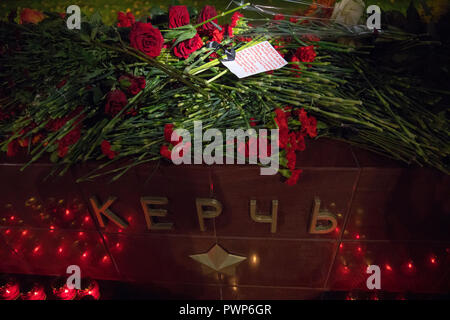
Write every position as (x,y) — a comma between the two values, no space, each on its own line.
(353,98)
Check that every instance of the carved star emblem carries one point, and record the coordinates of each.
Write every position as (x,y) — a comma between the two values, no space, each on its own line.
(218,259)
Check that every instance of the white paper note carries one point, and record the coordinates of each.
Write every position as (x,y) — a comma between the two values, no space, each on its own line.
(259,58)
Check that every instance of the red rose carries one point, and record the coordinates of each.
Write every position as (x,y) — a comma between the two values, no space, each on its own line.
(134,84)
(306,54)
(178,16)
(146,39)
(295,175)
(235,18)
(185,48)
(106,150)
(207,13)
(115,101)
(125,20)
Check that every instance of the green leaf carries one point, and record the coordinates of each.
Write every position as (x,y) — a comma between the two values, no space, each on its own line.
(181,34)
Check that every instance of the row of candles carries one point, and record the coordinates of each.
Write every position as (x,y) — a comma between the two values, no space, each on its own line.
(11,289)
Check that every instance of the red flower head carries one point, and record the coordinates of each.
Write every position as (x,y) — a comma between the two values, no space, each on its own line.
(178,16)
(235,18)
(13,148)
(207,13)
(291,158)
(30,16)
(296,66)
(311,37)
(147,39)
(61,84)
(134,84)
(106,150)
(300,142)
(125,20)
(278,17)
(168,131)
(281,121)
(165,152)
(69,139)
(292,181)
(294,19)
(115,101)
(309,124)
(217,35)
(306,54)
(185,48)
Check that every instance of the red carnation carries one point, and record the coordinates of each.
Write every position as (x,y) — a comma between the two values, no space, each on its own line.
(178,16)
(306,54)
(165,152)
(281,121)
(13,148)
(295,175)
(296,66)
(115,101)
(278,17)
(309,124)
(106,150)
(185,48)
(125,20)
(146,39)
(207,13)
(291,158)
(300,142)
(217,35)
(168,131)
(61,84)
(311,37)
(136,84)
(235,18)
(294,19)
(69,139)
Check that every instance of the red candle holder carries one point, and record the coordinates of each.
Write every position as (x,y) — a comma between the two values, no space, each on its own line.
(89,290)
(36,292)
(9,289)
(61,291)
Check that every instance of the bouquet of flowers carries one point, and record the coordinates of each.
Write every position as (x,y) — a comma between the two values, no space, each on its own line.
(117,93)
